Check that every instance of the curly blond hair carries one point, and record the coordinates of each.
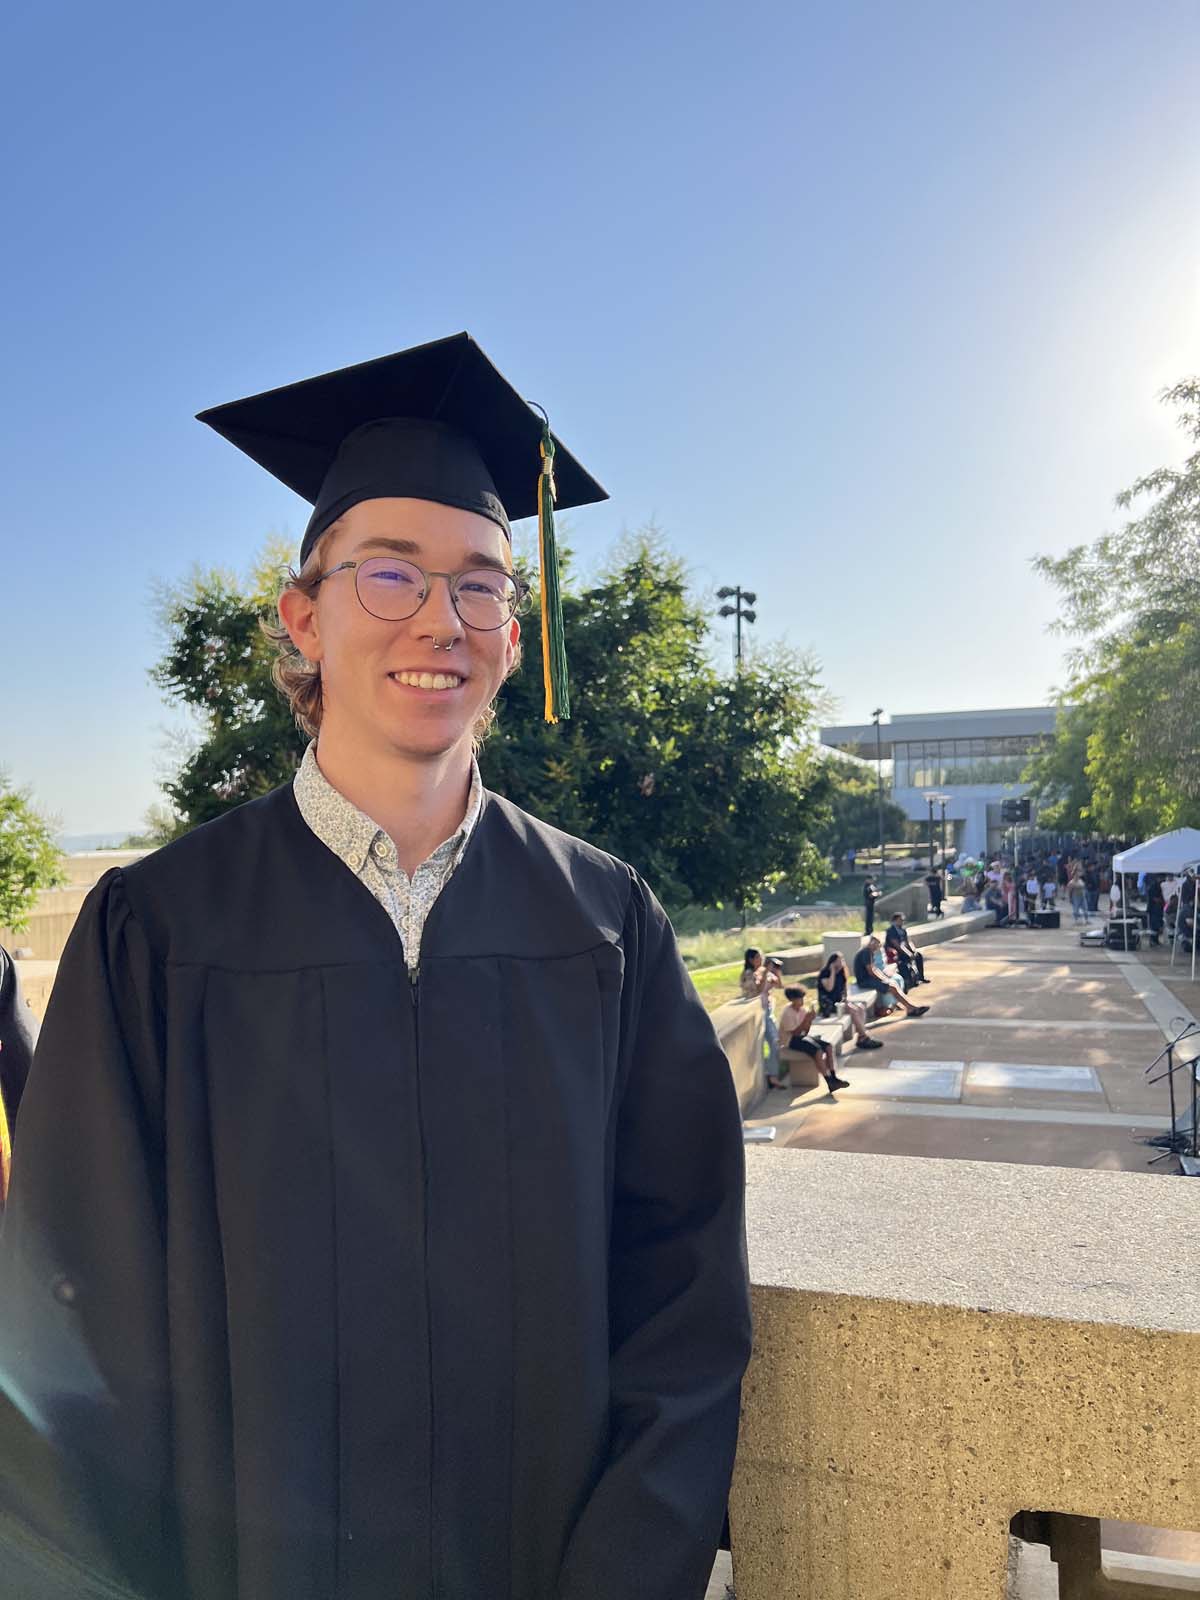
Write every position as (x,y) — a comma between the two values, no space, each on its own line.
(299,680)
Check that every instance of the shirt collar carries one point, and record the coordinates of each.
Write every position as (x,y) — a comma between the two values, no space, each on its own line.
(349,832)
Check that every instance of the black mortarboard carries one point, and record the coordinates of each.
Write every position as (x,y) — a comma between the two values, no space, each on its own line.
(437,422)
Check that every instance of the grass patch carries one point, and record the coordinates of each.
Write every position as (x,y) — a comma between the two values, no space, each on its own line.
(718,985)
(714,949)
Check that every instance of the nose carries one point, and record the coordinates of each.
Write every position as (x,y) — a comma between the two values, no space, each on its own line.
(437,618)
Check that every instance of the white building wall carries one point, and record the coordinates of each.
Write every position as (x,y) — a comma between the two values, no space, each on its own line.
(969,807)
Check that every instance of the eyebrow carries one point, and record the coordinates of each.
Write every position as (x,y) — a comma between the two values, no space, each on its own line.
(408,547)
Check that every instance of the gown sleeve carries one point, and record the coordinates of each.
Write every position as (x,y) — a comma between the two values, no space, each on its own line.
(84,1414)
(678,1292)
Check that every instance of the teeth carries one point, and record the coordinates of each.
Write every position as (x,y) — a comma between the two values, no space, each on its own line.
(427,680)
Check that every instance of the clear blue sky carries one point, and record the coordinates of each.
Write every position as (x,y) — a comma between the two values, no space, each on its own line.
(863,305)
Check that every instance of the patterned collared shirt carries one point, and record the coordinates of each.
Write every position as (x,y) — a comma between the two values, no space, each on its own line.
(371,856)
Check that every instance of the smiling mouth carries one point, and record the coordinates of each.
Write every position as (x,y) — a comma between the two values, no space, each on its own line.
(428,680)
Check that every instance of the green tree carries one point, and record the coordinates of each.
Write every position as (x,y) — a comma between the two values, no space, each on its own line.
(854,811)
(159,826)
(218,664)
(29,858)
(1133,599)
(705,782)
(1058,776)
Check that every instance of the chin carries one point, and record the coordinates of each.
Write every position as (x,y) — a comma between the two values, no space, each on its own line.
(431,741)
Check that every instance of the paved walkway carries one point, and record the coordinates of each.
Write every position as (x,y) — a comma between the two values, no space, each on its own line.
(1035,1050)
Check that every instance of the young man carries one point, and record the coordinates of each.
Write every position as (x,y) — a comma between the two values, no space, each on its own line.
(934,884)
(286,1314)
(870,895)
(887,993)
(794,1024)
(899,948)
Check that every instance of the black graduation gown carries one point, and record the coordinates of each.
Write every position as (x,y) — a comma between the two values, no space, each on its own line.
(18,1035)
(321,1281)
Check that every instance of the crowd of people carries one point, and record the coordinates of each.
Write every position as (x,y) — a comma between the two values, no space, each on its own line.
(1083,877)
(1017,893)
(884,971)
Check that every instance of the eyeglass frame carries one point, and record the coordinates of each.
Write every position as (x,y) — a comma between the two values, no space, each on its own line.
(521,585)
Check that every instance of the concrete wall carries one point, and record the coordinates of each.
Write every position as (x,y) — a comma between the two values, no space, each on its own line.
(739,1025)
(910,898)
(49,924)
(54,911)
(954,1343)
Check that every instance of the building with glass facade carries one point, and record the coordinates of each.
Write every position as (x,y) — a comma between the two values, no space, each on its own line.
(976,758)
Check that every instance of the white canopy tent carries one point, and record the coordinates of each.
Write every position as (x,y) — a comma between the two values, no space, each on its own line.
(1166,852)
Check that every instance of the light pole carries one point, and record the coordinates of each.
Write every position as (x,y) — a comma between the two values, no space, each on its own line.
(935,800)
(875,716)
(742,599)
(929,800)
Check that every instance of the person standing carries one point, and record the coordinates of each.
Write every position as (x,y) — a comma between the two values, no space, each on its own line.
(1077,894)
(772,980)
(933,883)
(1049,889)
(1032,889)
(752,975)
(870,895)
(286,1315)
(1155,908)
(1091,884)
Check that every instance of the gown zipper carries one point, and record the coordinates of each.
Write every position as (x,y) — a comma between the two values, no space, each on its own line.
(414,975)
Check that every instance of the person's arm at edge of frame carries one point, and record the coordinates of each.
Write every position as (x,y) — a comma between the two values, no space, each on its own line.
(678,1291)
(84,1417)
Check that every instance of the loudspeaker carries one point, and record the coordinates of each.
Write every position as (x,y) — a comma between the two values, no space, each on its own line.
(1046,919)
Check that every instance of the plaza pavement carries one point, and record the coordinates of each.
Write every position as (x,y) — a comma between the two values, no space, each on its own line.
(1035,1051)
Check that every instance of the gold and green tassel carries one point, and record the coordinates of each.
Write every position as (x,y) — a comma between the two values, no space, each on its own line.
(554,648)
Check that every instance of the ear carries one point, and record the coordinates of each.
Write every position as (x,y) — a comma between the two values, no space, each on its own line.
(298,613)
(511,646)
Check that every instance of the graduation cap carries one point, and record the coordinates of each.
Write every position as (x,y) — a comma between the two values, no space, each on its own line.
(437,422)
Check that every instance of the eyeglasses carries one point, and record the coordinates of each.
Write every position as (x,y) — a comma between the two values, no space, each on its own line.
(485,598)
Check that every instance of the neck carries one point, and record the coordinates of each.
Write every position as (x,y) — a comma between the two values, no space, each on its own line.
(418,803)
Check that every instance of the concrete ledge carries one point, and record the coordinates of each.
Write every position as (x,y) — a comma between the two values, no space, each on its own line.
(801,961)
(956,1342)
(739,1028)
(921,933)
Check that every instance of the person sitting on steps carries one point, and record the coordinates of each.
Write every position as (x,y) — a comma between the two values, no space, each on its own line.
(904,953)
(887,994)
(794,1024)
(833,982)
